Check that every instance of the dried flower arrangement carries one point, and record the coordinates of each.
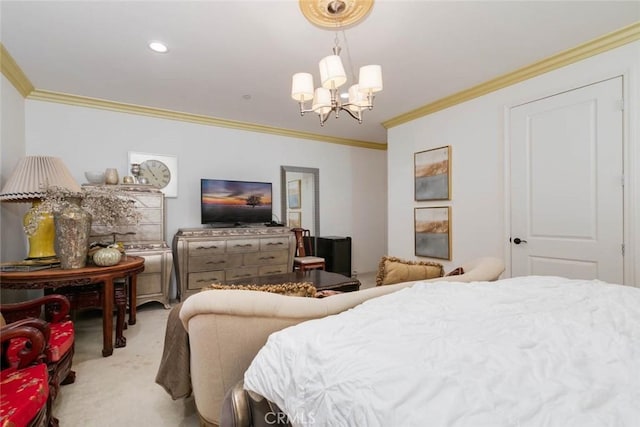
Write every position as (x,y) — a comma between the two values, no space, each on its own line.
(106,206)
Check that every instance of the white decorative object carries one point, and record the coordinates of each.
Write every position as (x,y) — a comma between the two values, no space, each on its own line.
(94,177)
(106,257)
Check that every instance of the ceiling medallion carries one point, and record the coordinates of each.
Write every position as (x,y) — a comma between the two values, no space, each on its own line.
(332,14)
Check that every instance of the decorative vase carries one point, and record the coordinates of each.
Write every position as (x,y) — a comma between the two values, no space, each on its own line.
(41,241)
(111,176)
(73,226)
(106,257)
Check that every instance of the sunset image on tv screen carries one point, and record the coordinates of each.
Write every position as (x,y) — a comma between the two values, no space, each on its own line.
(228,201)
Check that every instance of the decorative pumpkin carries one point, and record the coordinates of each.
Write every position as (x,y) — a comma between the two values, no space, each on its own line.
(106,257)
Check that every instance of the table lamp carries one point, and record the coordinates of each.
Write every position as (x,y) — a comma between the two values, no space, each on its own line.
(28,183)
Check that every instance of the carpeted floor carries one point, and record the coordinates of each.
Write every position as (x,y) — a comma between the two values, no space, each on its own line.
(120,390)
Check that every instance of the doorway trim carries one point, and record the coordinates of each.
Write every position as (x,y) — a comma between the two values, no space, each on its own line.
(316,194)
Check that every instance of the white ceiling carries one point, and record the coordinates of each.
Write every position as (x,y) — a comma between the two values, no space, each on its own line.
(221,51)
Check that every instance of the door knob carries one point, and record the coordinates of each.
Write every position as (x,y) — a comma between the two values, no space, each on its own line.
(518,240)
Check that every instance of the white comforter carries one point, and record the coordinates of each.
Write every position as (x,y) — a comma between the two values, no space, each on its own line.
(532,351)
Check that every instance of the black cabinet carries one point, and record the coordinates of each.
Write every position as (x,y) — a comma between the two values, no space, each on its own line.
(336,252)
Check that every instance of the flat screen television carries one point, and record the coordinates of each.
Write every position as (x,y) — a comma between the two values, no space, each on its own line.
(225,202)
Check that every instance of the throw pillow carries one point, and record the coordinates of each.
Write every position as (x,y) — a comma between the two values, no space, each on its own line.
(395,270)
(303,289)
(327,293)
(458,271)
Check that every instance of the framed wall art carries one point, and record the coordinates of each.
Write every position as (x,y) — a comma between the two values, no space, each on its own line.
(294,219)
(433,232)
(293,194)
(432,171)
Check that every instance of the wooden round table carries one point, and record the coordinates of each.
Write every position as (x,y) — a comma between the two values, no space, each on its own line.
(53,278)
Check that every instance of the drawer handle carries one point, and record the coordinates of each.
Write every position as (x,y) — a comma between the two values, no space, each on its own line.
(246,245)
(207,247)
(241,275)
(213,279)
(274,244)
(274,272)
(215,262)
(267,257)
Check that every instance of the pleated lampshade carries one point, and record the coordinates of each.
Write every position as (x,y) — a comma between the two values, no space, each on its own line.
(33,175)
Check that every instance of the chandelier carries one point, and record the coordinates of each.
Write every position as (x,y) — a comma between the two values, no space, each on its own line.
(325,100)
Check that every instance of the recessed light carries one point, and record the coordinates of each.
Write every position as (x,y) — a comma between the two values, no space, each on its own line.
(158,47)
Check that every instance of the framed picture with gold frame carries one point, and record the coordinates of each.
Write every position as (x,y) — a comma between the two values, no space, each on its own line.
(432,171)
(294,219)
(433,232)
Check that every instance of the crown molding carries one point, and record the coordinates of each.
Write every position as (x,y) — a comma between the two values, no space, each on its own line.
(14,73)
(83,101)
(618,38)
(607,42)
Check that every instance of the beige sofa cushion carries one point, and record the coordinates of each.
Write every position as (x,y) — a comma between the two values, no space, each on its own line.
(303,289)
(395,270)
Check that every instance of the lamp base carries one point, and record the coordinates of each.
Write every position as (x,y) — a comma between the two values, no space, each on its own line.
(42,241)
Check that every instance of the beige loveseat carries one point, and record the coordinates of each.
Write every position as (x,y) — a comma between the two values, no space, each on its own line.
(227,328)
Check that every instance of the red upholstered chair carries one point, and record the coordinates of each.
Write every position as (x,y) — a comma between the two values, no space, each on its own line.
(25,399)
(305,259)
(57,329)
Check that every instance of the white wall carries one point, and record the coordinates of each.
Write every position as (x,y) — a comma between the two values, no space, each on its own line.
(476,132)
(13,241)
(352,180)
(12,148)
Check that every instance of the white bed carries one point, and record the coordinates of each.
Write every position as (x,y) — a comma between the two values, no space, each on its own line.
(531,351)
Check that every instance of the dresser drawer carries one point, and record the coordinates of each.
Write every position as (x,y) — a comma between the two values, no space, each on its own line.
(199,248)
(266,258)
(242,245)
(148,200)
(152,262)
(241,273)
(198,281)
(149,283)
(146,232)
(214,262)
(274,243)
(150,216)
(127,233)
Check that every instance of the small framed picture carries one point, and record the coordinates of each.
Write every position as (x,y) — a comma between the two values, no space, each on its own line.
(433,174)
(293,194)
(433,232)
(294,219)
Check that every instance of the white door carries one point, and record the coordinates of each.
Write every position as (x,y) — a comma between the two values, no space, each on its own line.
(566,184)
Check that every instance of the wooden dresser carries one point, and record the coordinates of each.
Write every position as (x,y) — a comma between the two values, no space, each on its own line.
(145,239)
(218,255)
